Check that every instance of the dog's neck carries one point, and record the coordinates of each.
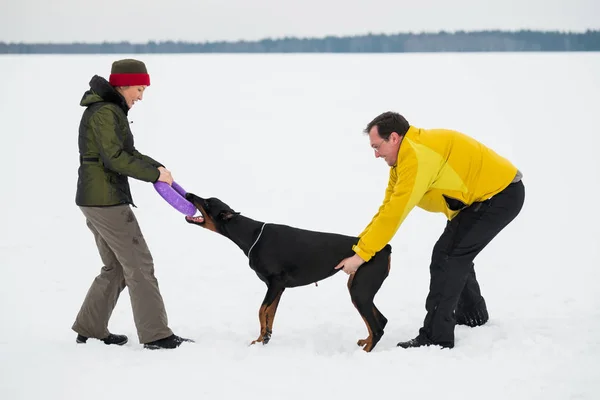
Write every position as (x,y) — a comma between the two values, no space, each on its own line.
(242,231)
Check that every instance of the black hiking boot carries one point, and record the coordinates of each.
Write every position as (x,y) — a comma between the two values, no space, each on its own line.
(472,316)
(421,341)
(119,340)
(170,342)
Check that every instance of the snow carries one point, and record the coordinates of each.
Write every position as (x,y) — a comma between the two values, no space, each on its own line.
(278,138)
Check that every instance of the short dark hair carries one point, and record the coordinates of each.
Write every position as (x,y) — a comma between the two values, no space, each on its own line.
(387,123)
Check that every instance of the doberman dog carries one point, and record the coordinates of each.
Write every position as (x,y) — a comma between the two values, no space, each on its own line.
(283,257)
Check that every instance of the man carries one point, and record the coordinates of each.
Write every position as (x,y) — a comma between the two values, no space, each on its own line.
(107,157)
(442,171)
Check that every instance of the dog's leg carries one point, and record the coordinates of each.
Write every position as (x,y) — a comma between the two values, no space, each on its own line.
(380,318)
(266,314)
(363,285)
(366,344)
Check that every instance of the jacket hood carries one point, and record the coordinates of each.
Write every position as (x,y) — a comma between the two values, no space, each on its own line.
(100,90)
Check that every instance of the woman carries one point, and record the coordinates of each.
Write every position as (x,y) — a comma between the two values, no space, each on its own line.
(107,158)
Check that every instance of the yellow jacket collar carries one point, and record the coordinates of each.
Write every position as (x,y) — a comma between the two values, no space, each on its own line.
(410,134)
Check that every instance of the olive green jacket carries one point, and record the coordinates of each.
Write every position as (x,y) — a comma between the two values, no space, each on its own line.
(107,155)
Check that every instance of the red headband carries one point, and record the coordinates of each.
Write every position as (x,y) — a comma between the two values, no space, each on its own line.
(129,79)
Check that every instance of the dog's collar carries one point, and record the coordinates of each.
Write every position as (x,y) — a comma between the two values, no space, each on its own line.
(257,238)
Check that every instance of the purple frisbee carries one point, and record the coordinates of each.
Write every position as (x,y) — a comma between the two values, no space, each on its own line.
(175,196)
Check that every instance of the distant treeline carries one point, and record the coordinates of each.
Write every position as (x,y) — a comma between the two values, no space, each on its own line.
(460,41)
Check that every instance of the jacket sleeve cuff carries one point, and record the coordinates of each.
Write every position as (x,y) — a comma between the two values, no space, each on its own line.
(157,176)
(361,253)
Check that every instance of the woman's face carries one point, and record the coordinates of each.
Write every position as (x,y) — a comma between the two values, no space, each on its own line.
(132,93)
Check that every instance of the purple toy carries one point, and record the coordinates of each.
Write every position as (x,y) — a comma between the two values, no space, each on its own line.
(175,196)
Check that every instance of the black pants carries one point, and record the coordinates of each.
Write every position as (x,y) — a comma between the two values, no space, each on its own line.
(452,273)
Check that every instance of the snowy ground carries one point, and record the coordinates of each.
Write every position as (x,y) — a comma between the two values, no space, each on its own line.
(278,137)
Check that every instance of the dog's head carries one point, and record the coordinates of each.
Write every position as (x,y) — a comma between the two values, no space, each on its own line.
(214,212)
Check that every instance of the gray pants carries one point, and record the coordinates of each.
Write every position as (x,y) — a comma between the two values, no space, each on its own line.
(127,263)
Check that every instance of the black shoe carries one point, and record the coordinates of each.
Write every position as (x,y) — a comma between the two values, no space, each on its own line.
(416,342)
(119,340)
(170,342)
(420,341)
(472,316)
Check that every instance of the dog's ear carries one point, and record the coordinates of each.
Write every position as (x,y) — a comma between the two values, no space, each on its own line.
(227,215)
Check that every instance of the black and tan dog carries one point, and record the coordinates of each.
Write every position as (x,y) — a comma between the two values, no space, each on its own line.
(284,257)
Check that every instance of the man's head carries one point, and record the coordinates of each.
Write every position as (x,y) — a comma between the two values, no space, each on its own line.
(385,135)
(130,78)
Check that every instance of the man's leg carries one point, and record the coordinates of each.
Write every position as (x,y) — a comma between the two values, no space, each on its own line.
(471,309)
(119,228)
(102,296)
(452,260)
(448,277)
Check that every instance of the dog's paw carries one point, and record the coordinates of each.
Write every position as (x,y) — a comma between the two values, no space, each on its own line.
(366,344)
(264,339)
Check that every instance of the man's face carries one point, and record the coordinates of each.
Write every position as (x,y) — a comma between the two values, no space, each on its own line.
(386,149)
(132,94)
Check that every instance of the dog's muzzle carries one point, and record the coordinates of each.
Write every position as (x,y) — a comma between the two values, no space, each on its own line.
(195,220)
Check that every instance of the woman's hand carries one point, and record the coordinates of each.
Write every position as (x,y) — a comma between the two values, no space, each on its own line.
(165,175)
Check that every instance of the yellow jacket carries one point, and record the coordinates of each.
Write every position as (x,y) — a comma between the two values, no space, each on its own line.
(437,170)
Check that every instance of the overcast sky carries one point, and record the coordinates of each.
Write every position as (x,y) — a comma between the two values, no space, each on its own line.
(212,20)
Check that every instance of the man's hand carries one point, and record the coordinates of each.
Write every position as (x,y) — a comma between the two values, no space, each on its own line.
(351,264)
(165,175)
